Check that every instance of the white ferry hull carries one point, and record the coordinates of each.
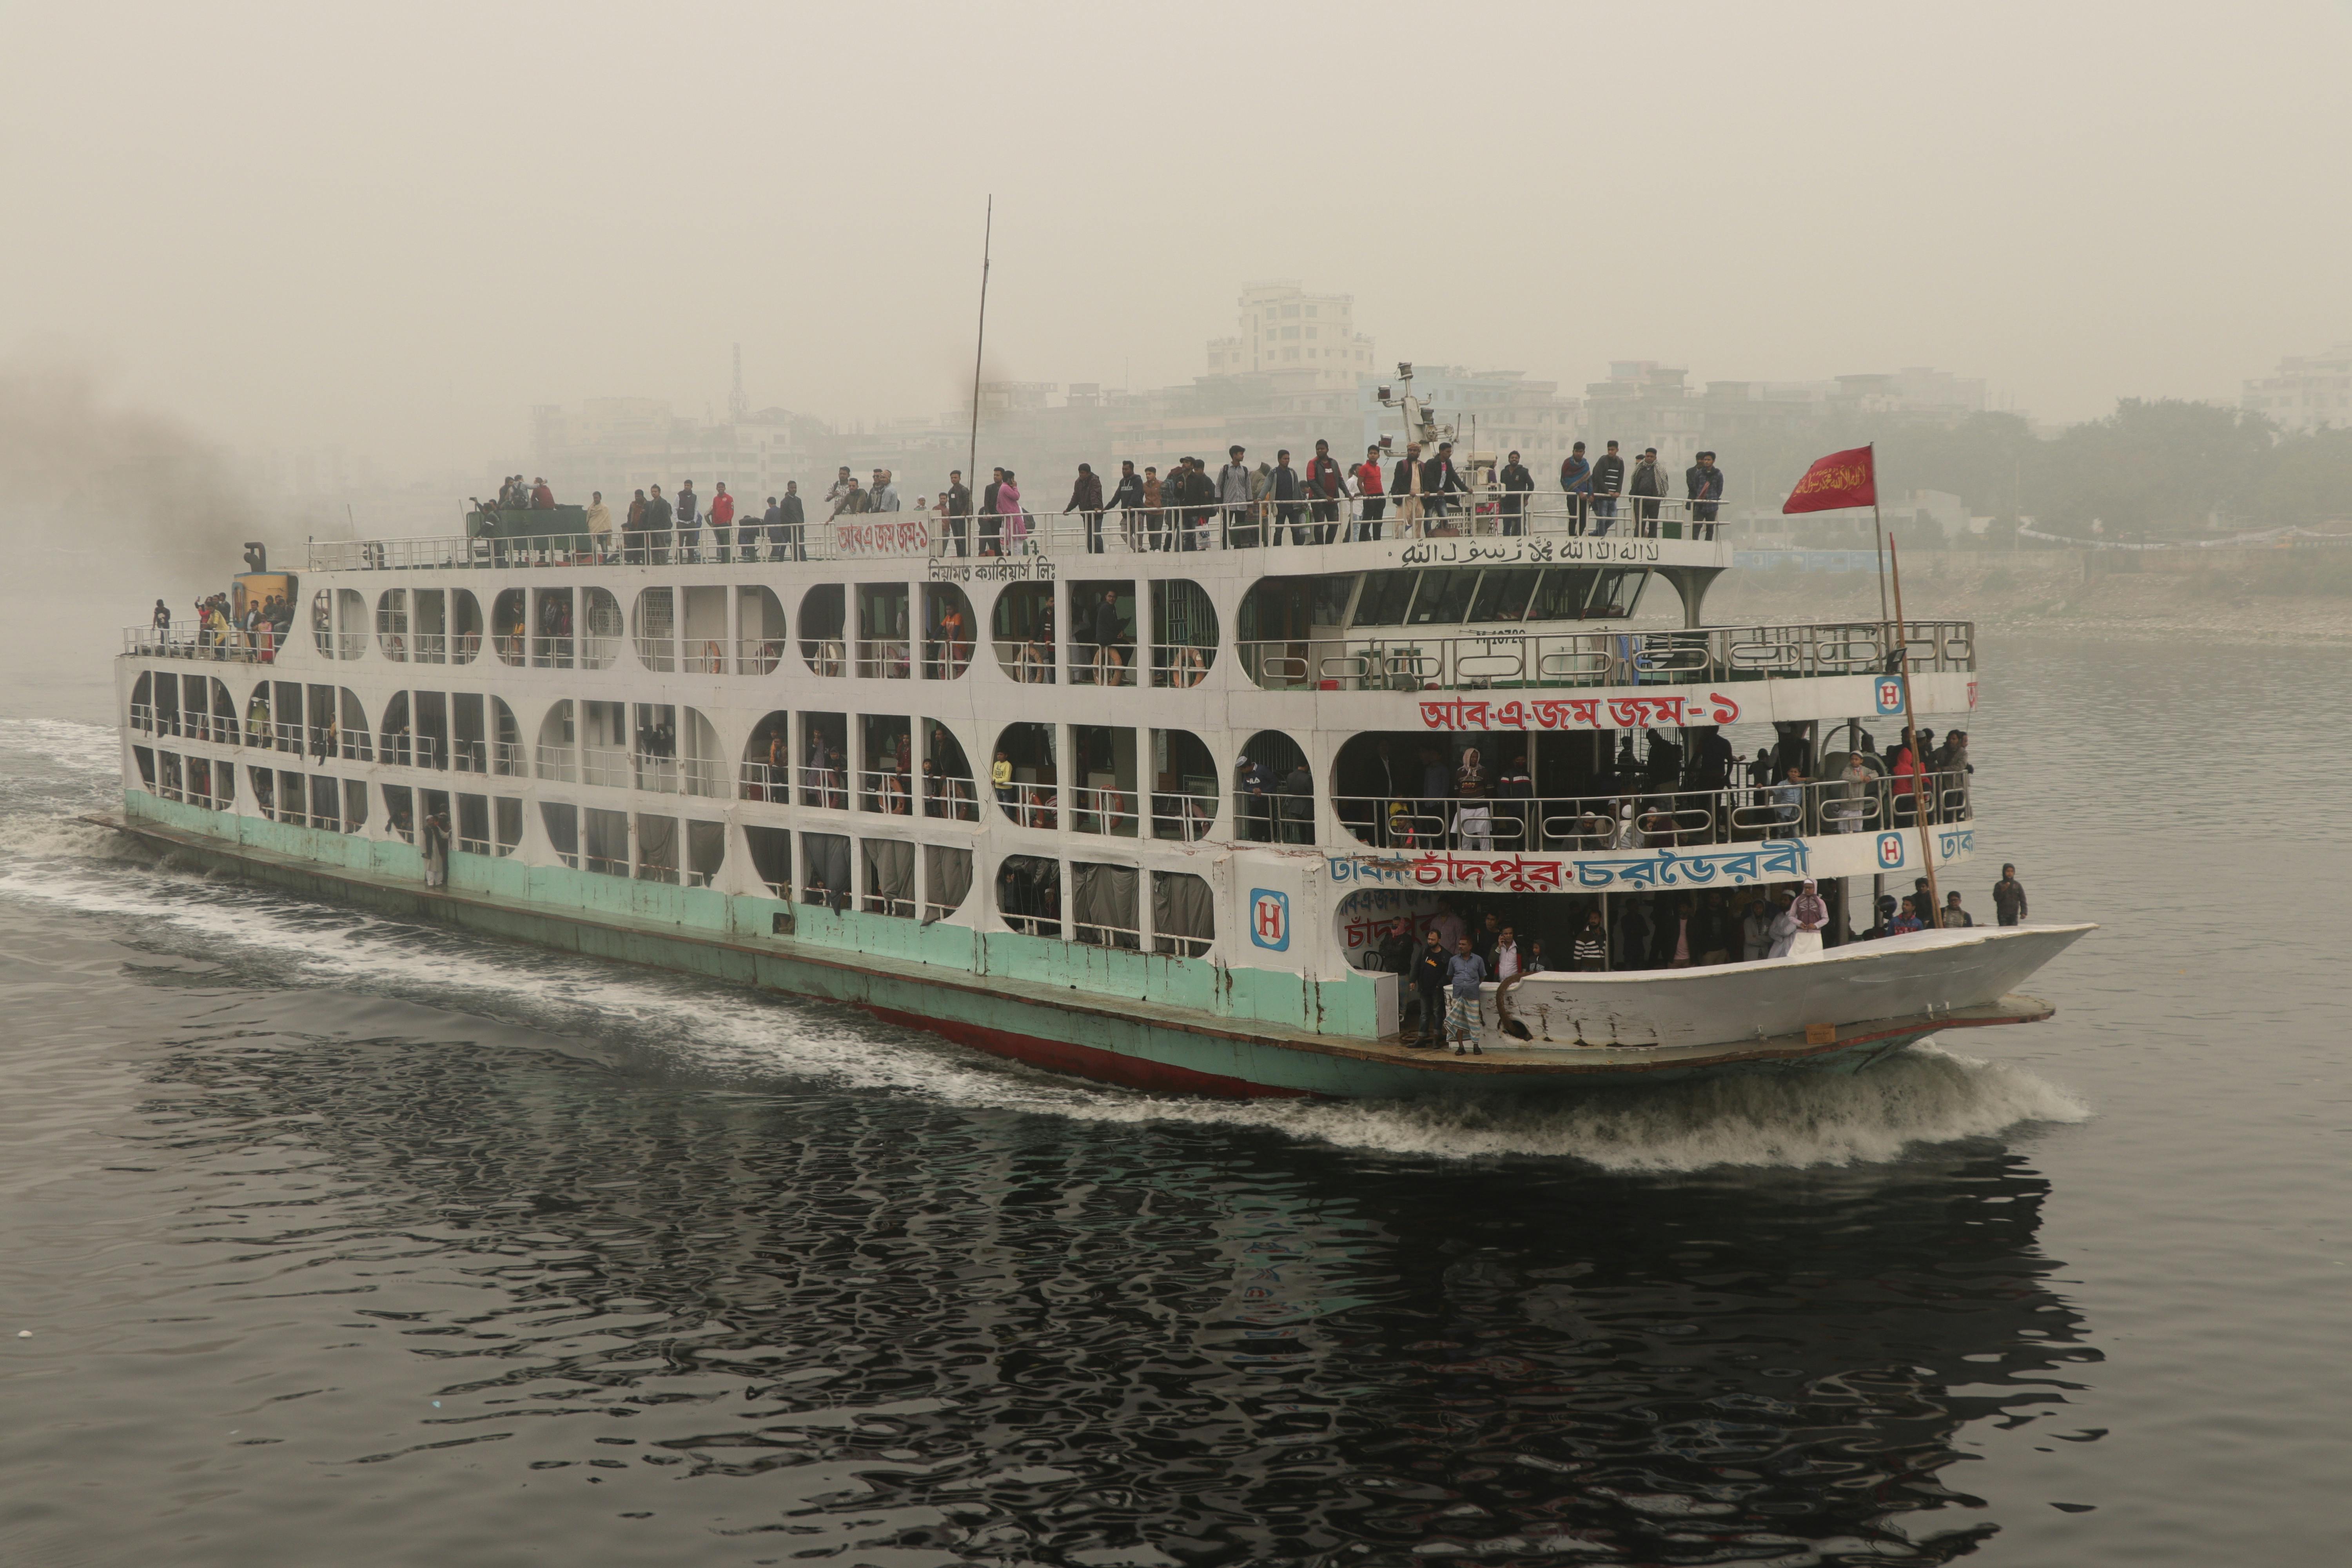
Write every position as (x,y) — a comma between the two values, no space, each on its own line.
(1137,1044)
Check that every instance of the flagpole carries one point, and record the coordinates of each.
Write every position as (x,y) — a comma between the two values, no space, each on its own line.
(1933,918)
(1877,531)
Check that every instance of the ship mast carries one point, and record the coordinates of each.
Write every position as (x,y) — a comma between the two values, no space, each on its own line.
(980,339)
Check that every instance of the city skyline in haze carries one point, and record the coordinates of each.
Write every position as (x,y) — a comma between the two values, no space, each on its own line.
(300,228)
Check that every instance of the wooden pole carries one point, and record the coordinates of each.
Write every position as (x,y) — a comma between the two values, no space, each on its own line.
(980,339)
(1933,919)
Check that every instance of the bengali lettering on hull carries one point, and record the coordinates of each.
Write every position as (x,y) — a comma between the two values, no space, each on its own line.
(1478,714)
(1773,859)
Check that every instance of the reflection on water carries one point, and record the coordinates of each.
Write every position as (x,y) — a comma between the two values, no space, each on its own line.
(940,1336)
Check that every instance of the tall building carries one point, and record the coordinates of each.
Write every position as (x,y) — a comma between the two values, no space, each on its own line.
(2308,392)
(1282,326)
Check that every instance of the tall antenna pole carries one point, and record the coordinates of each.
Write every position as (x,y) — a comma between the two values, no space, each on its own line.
(980,340)
(1878,532)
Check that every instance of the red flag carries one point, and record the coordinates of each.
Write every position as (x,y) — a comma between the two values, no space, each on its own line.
(1841,478)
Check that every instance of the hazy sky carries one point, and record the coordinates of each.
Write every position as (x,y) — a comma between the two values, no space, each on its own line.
(395,228)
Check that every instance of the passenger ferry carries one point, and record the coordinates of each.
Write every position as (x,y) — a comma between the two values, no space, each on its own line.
(873,763)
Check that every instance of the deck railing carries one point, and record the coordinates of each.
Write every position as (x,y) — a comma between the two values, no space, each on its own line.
(1641,819)
(884,535)
(1488,661)
(191,642)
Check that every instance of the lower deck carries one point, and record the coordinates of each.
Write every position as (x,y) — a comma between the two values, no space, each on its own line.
(1139,1043)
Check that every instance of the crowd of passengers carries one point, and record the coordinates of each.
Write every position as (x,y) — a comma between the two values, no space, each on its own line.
(1448,957)
(1240,506)
(1450,797)
(221,633)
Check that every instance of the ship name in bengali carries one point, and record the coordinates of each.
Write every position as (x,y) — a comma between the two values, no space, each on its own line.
(1576,712)
(1959,842)
(998,569)
(1772,859)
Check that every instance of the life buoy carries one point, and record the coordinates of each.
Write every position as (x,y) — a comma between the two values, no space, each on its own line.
(712,659)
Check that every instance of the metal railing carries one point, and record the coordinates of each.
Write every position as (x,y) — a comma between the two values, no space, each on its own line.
(1092,663)
(827,789)
(674,775)
(946,659)
(1032,804)
(887,790)
(884,658)
(551,650)
(1030,663)
(1184,817)
(605,766)
(1641,818)
(189,642)
(906,535)
(1180,665)
(561,763)
(1491,662)
(758,656)
(1112,811)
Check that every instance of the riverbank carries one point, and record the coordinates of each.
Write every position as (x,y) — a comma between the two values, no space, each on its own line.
(2253,595)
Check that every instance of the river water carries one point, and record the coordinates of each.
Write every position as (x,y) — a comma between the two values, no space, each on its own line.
(327,1238)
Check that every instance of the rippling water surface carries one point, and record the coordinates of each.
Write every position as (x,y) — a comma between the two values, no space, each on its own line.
(333,1239)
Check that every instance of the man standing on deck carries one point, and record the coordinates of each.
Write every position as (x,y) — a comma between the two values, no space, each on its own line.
(2008,897)
(1369,494)
(1518,485)
(690,522)
(1703,481)
(1608,483)
(1127,500)
(1405,485)
(1441,482)
(1464,975)
(1086,501)
(747,537)
(1283,490)
(1327,492)
(886,491)
(1576,483)
(722,522)
(1233,495)
(1649,484)
(1430,969)
(793,517)
(958,498)
(657,519)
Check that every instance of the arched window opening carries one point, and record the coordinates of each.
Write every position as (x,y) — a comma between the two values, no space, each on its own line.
(1022,626)
(510,621)
(1024,778)
(767,759)
(1029,894)
(1183,633)
(759,627)
(1183,787)
(949,791)
(557,749)
(823,618)
(949,630)
(1274,793)
(392,624)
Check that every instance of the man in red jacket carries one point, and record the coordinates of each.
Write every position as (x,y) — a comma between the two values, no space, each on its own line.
(722,519)
(1367,487)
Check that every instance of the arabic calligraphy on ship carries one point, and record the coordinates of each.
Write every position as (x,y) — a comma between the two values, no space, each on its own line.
(1576,712)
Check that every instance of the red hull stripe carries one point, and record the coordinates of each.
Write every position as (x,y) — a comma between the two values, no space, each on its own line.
(1087,1061)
